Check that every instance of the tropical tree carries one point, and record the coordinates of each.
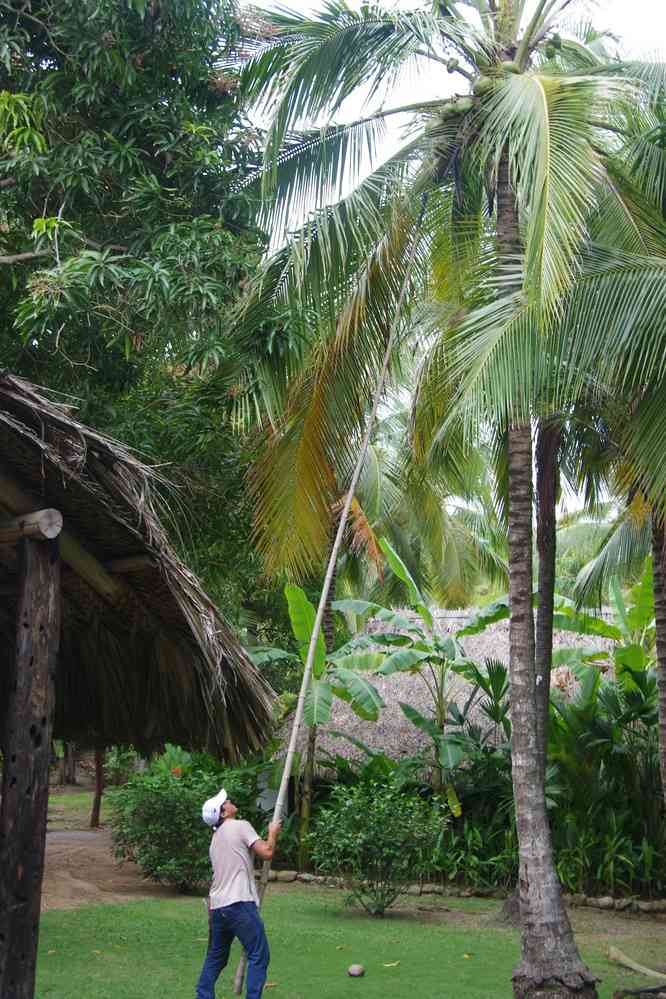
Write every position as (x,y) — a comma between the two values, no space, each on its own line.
(124,241)
(440,520)
(122,237)
(496,188)
(450,542)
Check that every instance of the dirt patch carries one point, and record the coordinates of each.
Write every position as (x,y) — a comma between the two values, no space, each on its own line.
(598,922)
(433,914)
(81,870)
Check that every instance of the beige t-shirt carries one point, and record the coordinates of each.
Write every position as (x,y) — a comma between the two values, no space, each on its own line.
(233,864)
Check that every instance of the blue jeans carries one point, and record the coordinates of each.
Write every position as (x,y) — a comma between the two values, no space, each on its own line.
(238,920)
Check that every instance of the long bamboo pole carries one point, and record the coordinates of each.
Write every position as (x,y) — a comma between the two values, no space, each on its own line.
(330,569)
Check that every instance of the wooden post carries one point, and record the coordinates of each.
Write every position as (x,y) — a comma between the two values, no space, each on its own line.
(69,763)
(27,747)
(99,788)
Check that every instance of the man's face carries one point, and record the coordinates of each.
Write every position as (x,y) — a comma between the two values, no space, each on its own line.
(228,810)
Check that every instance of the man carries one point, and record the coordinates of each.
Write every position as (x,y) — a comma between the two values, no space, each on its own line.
(233,902)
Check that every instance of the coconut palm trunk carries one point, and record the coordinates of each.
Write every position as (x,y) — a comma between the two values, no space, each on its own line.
(547,443)
(550,966)
(306,798)
(548,437)
(659,583)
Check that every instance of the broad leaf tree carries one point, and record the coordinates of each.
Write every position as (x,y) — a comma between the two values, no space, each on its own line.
(124,241)
(122,140)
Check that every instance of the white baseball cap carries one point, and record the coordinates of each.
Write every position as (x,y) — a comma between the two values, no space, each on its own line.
(210,812)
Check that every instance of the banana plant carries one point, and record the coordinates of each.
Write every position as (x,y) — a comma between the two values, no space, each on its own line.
(336,675)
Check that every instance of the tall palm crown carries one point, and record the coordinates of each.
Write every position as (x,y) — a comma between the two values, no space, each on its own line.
(543,100)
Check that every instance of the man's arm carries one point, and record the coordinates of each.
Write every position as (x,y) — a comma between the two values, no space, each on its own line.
(265,848)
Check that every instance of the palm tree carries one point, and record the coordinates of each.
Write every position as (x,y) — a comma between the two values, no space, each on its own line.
(493,188)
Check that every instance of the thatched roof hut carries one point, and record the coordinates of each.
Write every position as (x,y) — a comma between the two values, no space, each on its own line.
(392,733)
(145,657)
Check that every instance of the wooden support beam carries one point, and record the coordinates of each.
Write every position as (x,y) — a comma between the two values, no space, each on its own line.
(42,525)
(25,784)
(131,564)
(18,501)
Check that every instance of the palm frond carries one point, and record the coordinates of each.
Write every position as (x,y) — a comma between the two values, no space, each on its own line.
(617,312)
(497,358)
(644,152)
(588,454)
(641,440)
(545,122)
(621,553)
(650,73)
(314,167)
(364,539)
(623,220)
(307,462)
(322,59)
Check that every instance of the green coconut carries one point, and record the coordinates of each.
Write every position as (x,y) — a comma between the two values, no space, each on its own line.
(509,67)
(482,85)
(463,105)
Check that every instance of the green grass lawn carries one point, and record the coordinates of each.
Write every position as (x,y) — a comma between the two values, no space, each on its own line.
(154,950)
(71,809)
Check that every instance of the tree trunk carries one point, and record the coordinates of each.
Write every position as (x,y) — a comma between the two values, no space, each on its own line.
(659,584)
(550,966)
(25,785)
(547,445)
(328,623)
(99,788)
(69,763)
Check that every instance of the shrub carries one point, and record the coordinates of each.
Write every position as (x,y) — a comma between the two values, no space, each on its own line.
(119,764)
(378,839)
(173,760)
(156,821)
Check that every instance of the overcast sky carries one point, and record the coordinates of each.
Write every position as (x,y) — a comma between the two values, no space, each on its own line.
(639,24)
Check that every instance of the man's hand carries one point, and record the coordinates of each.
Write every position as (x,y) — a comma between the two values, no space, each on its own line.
(265,848)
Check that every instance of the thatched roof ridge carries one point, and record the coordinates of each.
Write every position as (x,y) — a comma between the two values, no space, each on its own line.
(151,660)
